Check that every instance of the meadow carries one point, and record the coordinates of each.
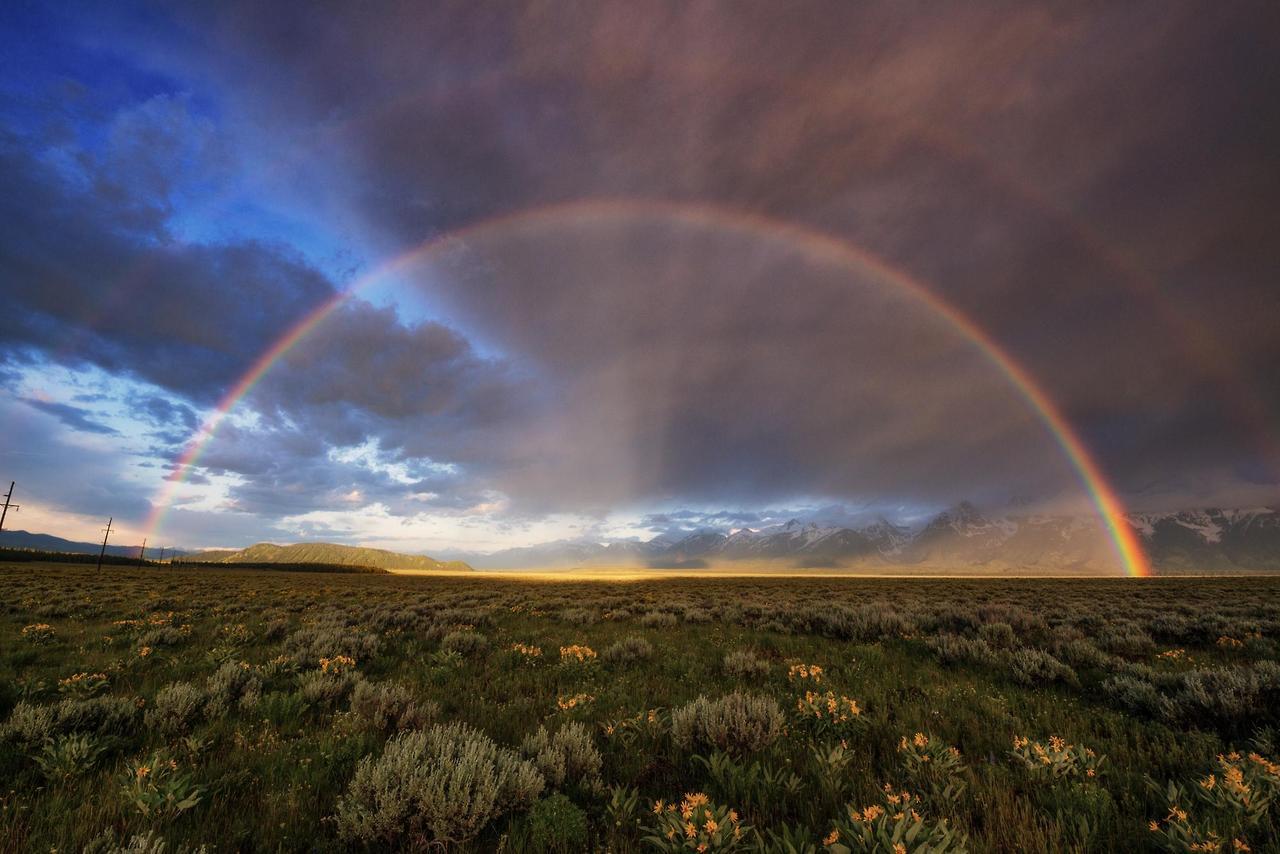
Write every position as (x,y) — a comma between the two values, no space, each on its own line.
(182,709)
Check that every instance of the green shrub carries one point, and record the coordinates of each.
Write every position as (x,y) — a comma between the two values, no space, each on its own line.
(659,620)
(162,636)
(865,623)
(1137,695)
(312,643)
(390,706)
(557,825)
(1126,639)
(745,664)
(327,688)
(176,709)
(579,616)
(1082,653)
(232,685)
(441,786)
(958,649)
(569,756)
(998,635)
(283,708)
(465,644)
(1231,695)
(1031,666)
(627,651)
(99,715)
(28,724)
(736,723)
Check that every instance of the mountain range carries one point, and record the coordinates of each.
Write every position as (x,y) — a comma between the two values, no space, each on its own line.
(299,553)
(959,539)
(50,543)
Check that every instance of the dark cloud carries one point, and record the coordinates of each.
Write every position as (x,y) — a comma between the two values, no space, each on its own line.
(187,317)
(421,388)
(1096,186)
(287,471)
(165,412)
(72,416)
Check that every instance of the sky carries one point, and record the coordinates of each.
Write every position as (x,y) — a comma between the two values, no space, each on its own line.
(610,270)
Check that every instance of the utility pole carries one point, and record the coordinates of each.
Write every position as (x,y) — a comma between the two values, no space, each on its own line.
(7,505)
(107,533)
(142,552)
(161,555)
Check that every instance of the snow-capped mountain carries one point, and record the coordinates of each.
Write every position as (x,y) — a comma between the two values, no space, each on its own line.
(1212,538)
(961,538)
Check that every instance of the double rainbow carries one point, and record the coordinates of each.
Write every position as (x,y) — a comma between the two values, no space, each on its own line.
(820,245)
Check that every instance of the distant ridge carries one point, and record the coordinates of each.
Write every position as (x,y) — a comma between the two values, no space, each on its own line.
(327,553)
(50,543)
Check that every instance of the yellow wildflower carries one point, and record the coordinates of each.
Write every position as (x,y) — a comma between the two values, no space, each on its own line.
(576,653)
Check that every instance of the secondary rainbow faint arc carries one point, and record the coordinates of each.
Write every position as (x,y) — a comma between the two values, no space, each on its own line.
(824,245)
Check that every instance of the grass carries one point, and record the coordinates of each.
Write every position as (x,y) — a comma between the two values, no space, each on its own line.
(1155,678)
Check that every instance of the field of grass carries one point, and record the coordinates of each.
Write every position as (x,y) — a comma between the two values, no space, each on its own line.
(169,709)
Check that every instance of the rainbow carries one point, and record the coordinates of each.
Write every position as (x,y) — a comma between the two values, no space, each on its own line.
(816,243)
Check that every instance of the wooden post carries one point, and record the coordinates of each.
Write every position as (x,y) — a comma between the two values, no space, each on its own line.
(5,512)
(104,542)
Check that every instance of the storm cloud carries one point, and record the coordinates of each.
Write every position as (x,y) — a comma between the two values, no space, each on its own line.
(1095,186)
